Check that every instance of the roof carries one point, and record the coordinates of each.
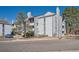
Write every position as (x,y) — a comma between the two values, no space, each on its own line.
(4,22)
(48,13)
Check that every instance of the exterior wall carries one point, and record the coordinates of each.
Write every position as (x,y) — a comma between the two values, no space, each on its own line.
(0,29)
(59,26)
(8,29)
(44,27)
(54,24)
(41,26)
(31,24)
(48,26)
(35,26)
(51,26)
(64,29)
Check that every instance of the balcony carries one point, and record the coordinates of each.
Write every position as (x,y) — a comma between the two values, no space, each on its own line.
(31,24)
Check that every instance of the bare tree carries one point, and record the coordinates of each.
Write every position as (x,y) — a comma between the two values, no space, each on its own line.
(22,19)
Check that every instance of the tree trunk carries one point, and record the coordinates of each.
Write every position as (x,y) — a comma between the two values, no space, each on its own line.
(67,28)
(25,29)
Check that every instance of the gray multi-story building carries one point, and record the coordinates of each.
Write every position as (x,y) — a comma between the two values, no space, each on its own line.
(49,24)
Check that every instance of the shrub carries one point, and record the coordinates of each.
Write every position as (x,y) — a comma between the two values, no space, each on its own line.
(29,34)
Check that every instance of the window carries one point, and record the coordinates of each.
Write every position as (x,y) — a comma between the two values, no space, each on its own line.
(32,26)
(63,26)
(62,31)
(31,20)
(37,24)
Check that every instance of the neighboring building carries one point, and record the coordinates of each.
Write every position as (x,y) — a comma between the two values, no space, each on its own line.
(8,29)
(5,27)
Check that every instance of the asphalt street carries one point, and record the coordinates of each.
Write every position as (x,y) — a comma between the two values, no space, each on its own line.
(39,46)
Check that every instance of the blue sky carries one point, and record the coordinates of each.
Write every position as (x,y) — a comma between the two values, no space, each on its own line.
(10,12)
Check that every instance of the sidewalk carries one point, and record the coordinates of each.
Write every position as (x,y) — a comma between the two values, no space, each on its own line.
(28,39)
(19,38)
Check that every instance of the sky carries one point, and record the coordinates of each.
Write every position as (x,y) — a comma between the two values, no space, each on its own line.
(10,12)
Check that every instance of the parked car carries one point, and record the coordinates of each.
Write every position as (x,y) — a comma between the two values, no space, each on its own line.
(8,36)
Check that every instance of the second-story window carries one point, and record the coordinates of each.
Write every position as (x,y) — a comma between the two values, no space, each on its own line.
(31,20)
(63,26)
